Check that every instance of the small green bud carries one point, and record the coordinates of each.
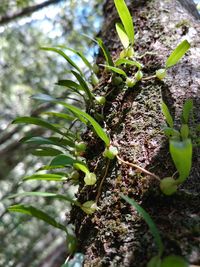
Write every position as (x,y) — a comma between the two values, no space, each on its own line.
(117,80)
(95,68)
(89,207)
(168,186)
(139,75)
(110,152)
(90,178)
(101,100)
(75,175)
(94,79)
(123,54)
(130,52)
(80,146)
(130,82)
(161,74)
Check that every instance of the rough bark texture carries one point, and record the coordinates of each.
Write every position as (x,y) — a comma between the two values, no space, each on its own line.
(116,235)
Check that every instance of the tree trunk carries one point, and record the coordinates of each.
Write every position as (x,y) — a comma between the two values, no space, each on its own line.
(116,235)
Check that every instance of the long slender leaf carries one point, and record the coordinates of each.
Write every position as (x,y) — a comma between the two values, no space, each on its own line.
(83,84)
(80,54)
(126,19)
(105,52)
(116,70)
(122,35)
(43,97)
(37,213)
(37,121)
(43,194)
(135,63)
(60,115)
(149,221)
(68,59)
(167,115)
(178,53)
(187,107)
(45,177)
(70,84)
(46,152)
(81,166)
(62,160)
(98,129)
(50,141)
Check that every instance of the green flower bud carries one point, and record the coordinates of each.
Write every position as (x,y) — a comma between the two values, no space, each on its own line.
(80,146)
(75,175)
(168,186)
(123,54)
(89,207)
(117,80)
(130,52)
(130,82)
(139,75)
(101,100)
(110,152)
(90,178)
(95,68)
(94,79)
(161,74)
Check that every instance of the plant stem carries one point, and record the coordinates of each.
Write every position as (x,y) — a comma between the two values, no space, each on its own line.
(148,78)
(139,168)
(101,184)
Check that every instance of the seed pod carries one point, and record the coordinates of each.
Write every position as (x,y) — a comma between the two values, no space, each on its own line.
(89,207)
(110,152)
(80,146)
(95,68)
(90,178)
(117,80)
(139,75)
(94,79)
(130,82)
(168,186)
(161,74)
(130,52)
(101,100)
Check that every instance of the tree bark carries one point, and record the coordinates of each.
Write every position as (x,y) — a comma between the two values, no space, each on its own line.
(26,11)
(116,235)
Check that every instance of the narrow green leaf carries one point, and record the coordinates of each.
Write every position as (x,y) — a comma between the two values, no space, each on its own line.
(98,129)
(50,141)
(80,54)
(149,221)
(187,108)
(126,19)
(45,177)
(81,166)
(122,35)
(177,54)
(43,194)
(60,115)
(135,63)
(68,59)
(116,70)
(43,97)
(83,84)
(46,152)
(62,160)
(30,210)
(167,115)
(70,84)
(181,153)
(37,121)
(106,53)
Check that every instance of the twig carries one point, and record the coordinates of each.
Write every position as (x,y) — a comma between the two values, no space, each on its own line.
(139,168)
(101,184)
(148,78)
